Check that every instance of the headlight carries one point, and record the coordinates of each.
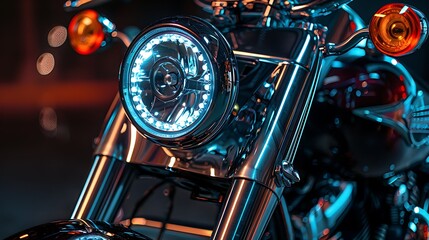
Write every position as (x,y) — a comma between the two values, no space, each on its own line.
(178,82)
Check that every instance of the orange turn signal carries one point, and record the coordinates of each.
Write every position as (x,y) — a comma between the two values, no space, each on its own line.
(86,32)
(397,29)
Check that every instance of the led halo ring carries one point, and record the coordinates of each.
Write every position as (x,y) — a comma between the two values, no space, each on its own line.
(157,81)
(178,82)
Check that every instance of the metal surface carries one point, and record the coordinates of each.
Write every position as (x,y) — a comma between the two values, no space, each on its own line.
(286,175)
(286,219)
(288,44)
(254,195)
(72,5)
(121,140)
(246,211)
(325,215)
(285,117)
(354,18)
(315,8)
(104,190)
(78,229)
(143,222)
(347,45)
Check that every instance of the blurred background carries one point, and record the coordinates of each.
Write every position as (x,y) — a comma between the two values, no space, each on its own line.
(53,101)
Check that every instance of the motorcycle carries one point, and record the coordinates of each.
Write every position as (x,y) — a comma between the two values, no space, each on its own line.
(221,109)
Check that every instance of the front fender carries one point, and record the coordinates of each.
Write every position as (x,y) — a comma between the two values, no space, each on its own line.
(76,230)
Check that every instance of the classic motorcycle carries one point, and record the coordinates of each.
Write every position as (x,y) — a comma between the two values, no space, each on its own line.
(218,108)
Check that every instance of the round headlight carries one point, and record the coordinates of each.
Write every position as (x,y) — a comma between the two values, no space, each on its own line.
(178,82)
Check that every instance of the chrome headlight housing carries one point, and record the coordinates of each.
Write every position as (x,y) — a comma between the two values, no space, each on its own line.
(178,82)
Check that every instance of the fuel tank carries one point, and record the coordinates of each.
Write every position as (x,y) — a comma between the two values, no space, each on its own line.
(362,116)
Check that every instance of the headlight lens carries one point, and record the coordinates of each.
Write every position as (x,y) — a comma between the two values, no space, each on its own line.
(174,76)
(171,83)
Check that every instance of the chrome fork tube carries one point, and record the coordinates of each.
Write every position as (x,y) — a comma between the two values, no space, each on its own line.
(104,190)
(110,176)
(255,193)
(248,203)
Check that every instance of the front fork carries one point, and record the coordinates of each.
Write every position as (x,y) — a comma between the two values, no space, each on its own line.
(247,211)
(110,176)
(254,193)
(104,190)
(256,190)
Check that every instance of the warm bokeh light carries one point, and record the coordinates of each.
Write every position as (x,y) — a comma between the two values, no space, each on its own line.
(45,63)
(48,119)
(57,36)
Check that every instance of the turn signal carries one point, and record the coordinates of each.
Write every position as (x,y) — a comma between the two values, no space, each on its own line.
(86,32)
(397,29)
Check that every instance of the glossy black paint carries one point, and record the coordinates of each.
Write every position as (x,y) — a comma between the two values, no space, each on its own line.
(78,229)
(335,135)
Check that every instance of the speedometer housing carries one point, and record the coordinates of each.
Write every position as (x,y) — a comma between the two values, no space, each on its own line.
(178,82)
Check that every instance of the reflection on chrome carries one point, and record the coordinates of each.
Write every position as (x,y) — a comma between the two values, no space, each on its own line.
(143,222)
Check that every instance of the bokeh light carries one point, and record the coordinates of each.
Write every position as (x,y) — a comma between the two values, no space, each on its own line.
(57,36)
(45,63)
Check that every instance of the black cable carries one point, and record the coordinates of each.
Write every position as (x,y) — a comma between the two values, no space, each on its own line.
(146,195)
(171,191)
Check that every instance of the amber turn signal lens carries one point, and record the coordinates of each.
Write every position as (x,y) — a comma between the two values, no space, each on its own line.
(86,32)
(397,29)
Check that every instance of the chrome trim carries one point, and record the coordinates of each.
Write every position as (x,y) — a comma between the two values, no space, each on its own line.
(286,114)
(351,42)
(71,5)
(354,17)
(286,219)
(104,190)
(315,8)
(144,222)
(126,40)
(261,57)
(267,13)
(246,212)
(293,45)
(120,140)
(254,195)
(319,219)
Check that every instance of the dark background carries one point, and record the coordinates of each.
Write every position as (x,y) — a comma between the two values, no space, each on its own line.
(43,169)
